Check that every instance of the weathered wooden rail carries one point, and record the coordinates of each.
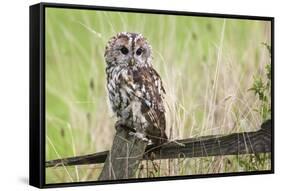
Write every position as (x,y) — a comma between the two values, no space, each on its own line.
(127,151)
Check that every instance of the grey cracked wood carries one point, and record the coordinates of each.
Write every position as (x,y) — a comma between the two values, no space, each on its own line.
(124,157)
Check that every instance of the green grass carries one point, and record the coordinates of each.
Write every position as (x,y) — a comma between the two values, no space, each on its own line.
(207,66)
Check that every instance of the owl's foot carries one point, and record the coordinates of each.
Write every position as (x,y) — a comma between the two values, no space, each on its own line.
(120,124)
(140,136)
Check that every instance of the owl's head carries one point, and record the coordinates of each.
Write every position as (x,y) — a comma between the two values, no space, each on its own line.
(128,49)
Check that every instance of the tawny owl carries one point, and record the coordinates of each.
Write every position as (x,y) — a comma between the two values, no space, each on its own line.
(135,89)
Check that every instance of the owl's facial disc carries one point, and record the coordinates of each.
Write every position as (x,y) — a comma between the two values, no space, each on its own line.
(128,49)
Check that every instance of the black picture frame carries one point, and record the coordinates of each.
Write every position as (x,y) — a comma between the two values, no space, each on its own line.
(37,93)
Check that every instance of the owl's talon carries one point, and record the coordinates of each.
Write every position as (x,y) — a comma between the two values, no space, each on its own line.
(119,125)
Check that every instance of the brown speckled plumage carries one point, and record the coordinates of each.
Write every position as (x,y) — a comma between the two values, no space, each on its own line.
(135,89)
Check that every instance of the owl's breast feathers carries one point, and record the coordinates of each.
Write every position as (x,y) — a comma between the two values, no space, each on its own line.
(144,86)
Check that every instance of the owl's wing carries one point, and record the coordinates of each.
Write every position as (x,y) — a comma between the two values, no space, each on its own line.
(157,78)
(156,112)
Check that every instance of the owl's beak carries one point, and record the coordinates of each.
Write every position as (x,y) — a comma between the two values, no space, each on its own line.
(132,62)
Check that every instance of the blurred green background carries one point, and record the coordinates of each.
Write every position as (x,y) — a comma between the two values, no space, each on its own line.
(207,66)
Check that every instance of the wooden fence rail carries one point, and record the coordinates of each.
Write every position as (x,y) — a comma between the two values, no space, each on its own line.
(233,144)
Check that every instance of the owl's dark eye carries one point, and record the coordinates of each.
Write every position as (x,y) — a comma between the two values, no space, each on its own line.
(124,50)
(139,51)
